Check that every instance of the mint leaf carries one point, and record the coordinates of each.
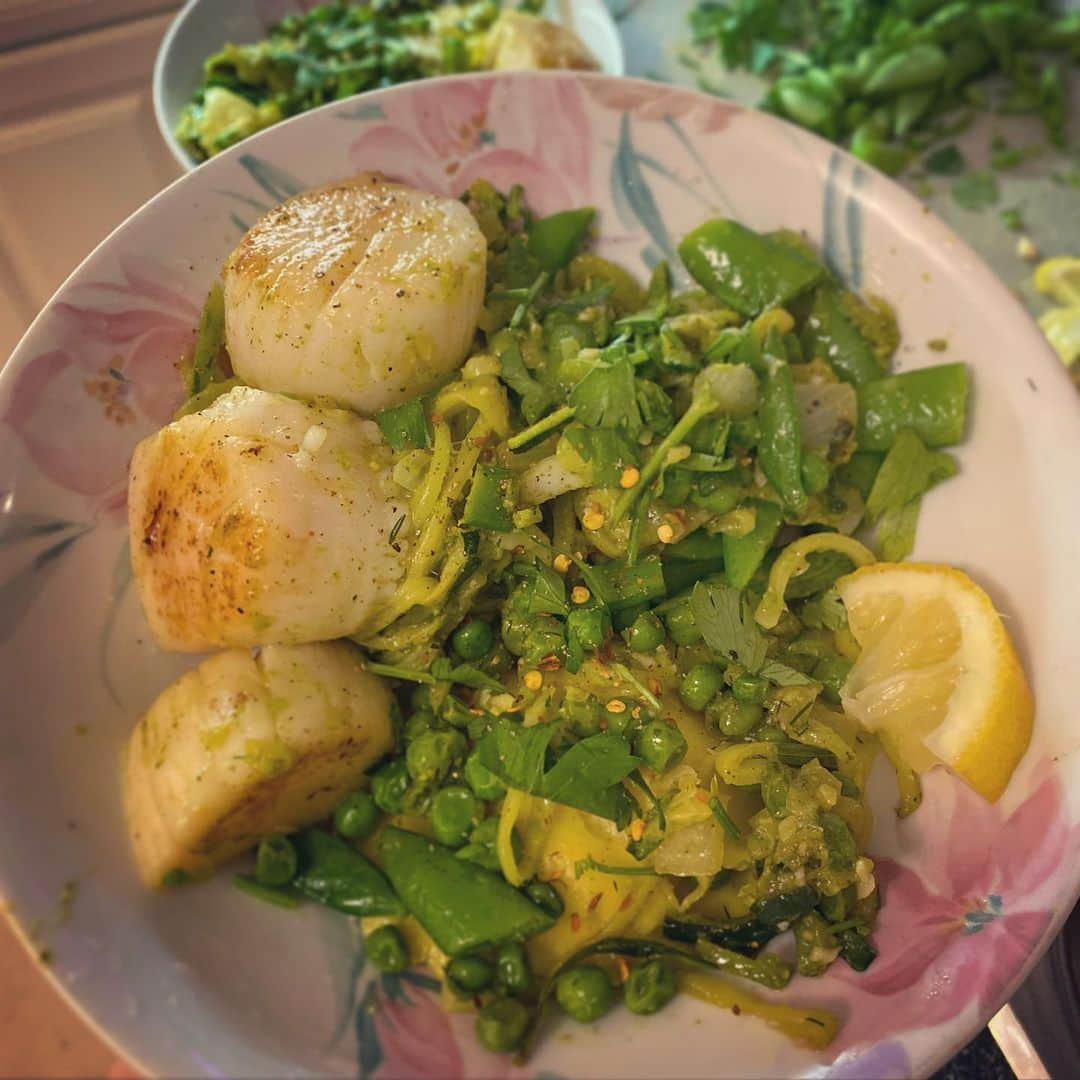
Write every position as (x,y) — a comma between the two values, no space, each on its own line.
(515,754)
(588,776)
(727,625)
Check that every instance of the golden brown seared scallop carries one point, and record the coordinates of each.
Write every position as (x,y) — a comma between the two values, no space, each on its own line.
(262,520)
(364,291)
(247,745)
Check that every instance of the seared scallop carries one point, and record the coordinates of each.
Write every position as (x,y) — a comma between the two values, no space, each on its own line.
(263,520)
(247,745)
(364,291)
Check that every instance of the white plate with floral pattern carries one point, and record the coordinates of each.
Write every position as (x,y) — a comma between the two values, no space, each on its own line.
(201,981)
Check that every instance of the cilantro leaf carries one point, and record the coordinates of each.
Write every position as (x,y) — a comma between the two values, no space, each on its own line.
(727,625)
(605,453)
(607,395)
(782,675)
(464,675)
(535,397)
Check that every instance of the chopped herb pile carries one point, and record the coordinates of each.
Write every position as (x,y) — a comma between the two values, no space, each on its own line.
(887,79)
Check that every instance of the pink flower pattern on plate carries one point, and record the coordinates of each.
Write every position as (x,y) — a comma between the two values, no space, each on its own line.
(439,140)
(119,351)
(958,930)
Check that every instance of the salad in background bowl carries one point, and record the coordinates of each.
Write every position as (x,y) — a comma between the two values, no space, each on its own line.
(227,70)
(971,905)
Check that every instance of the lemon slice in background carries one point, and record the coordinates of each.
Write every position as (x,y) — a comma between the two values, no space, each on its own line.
(937,675)
(1059,278)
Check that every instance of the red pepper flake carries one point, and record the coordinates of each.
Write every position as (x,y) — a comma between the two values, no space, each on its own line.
(654,685)
(626,901)
(595,900)
(624,969)
(702,796)
(736,1010)
(575,922)
(550,663)
(603,725)
(556,875)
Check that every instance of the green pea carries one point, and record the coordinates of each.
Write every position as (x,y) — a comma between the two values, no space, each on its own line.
(432,755)
(650,987)
(501,1025)
(485,784)
(389,785)
(660,745)
(584,993)
(420,721)
(355,815)
(749,689)
(584,713)
(420,698)
(473,640)
(454,812)
(645,633)
(545,897)
(815,473)
(699,685)
(680,624)
(275,861)
(512,968)
(733,718)
(385,948)
(469,974)
(832,672)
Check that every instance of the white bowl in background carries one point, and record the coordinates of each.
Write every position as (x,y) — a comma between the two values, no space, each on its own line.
(203,27)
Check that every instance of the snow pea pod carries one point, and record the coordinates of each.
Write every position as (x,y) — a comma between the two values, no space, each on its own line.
(921,65)
(747,271)
(460,904)
(932,401)
(744,554)
(780,444)
(831,335)
(553,240)
(334,874)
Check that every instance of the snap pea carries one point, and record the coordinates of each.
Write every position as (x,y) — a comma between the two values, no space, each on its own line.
(921,65)
(932,401)
(405,427)
(275,861)
(554,240)
(744,554)
(780,443)
(747,271)
(461,905)
(623,586)
(335,875)
(832,336)
(491,500)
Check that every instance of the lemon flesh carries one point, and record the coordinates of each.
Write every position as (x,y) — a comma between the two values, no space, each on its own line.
(938,674)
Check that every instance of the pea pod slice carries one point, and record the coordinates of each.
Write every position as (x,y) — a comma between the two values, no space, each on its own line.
(334,874)
(747,271)
(461,905)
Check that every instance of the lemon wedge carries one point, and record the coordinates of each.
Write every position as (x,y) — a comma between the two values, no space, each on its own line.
(938,676)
